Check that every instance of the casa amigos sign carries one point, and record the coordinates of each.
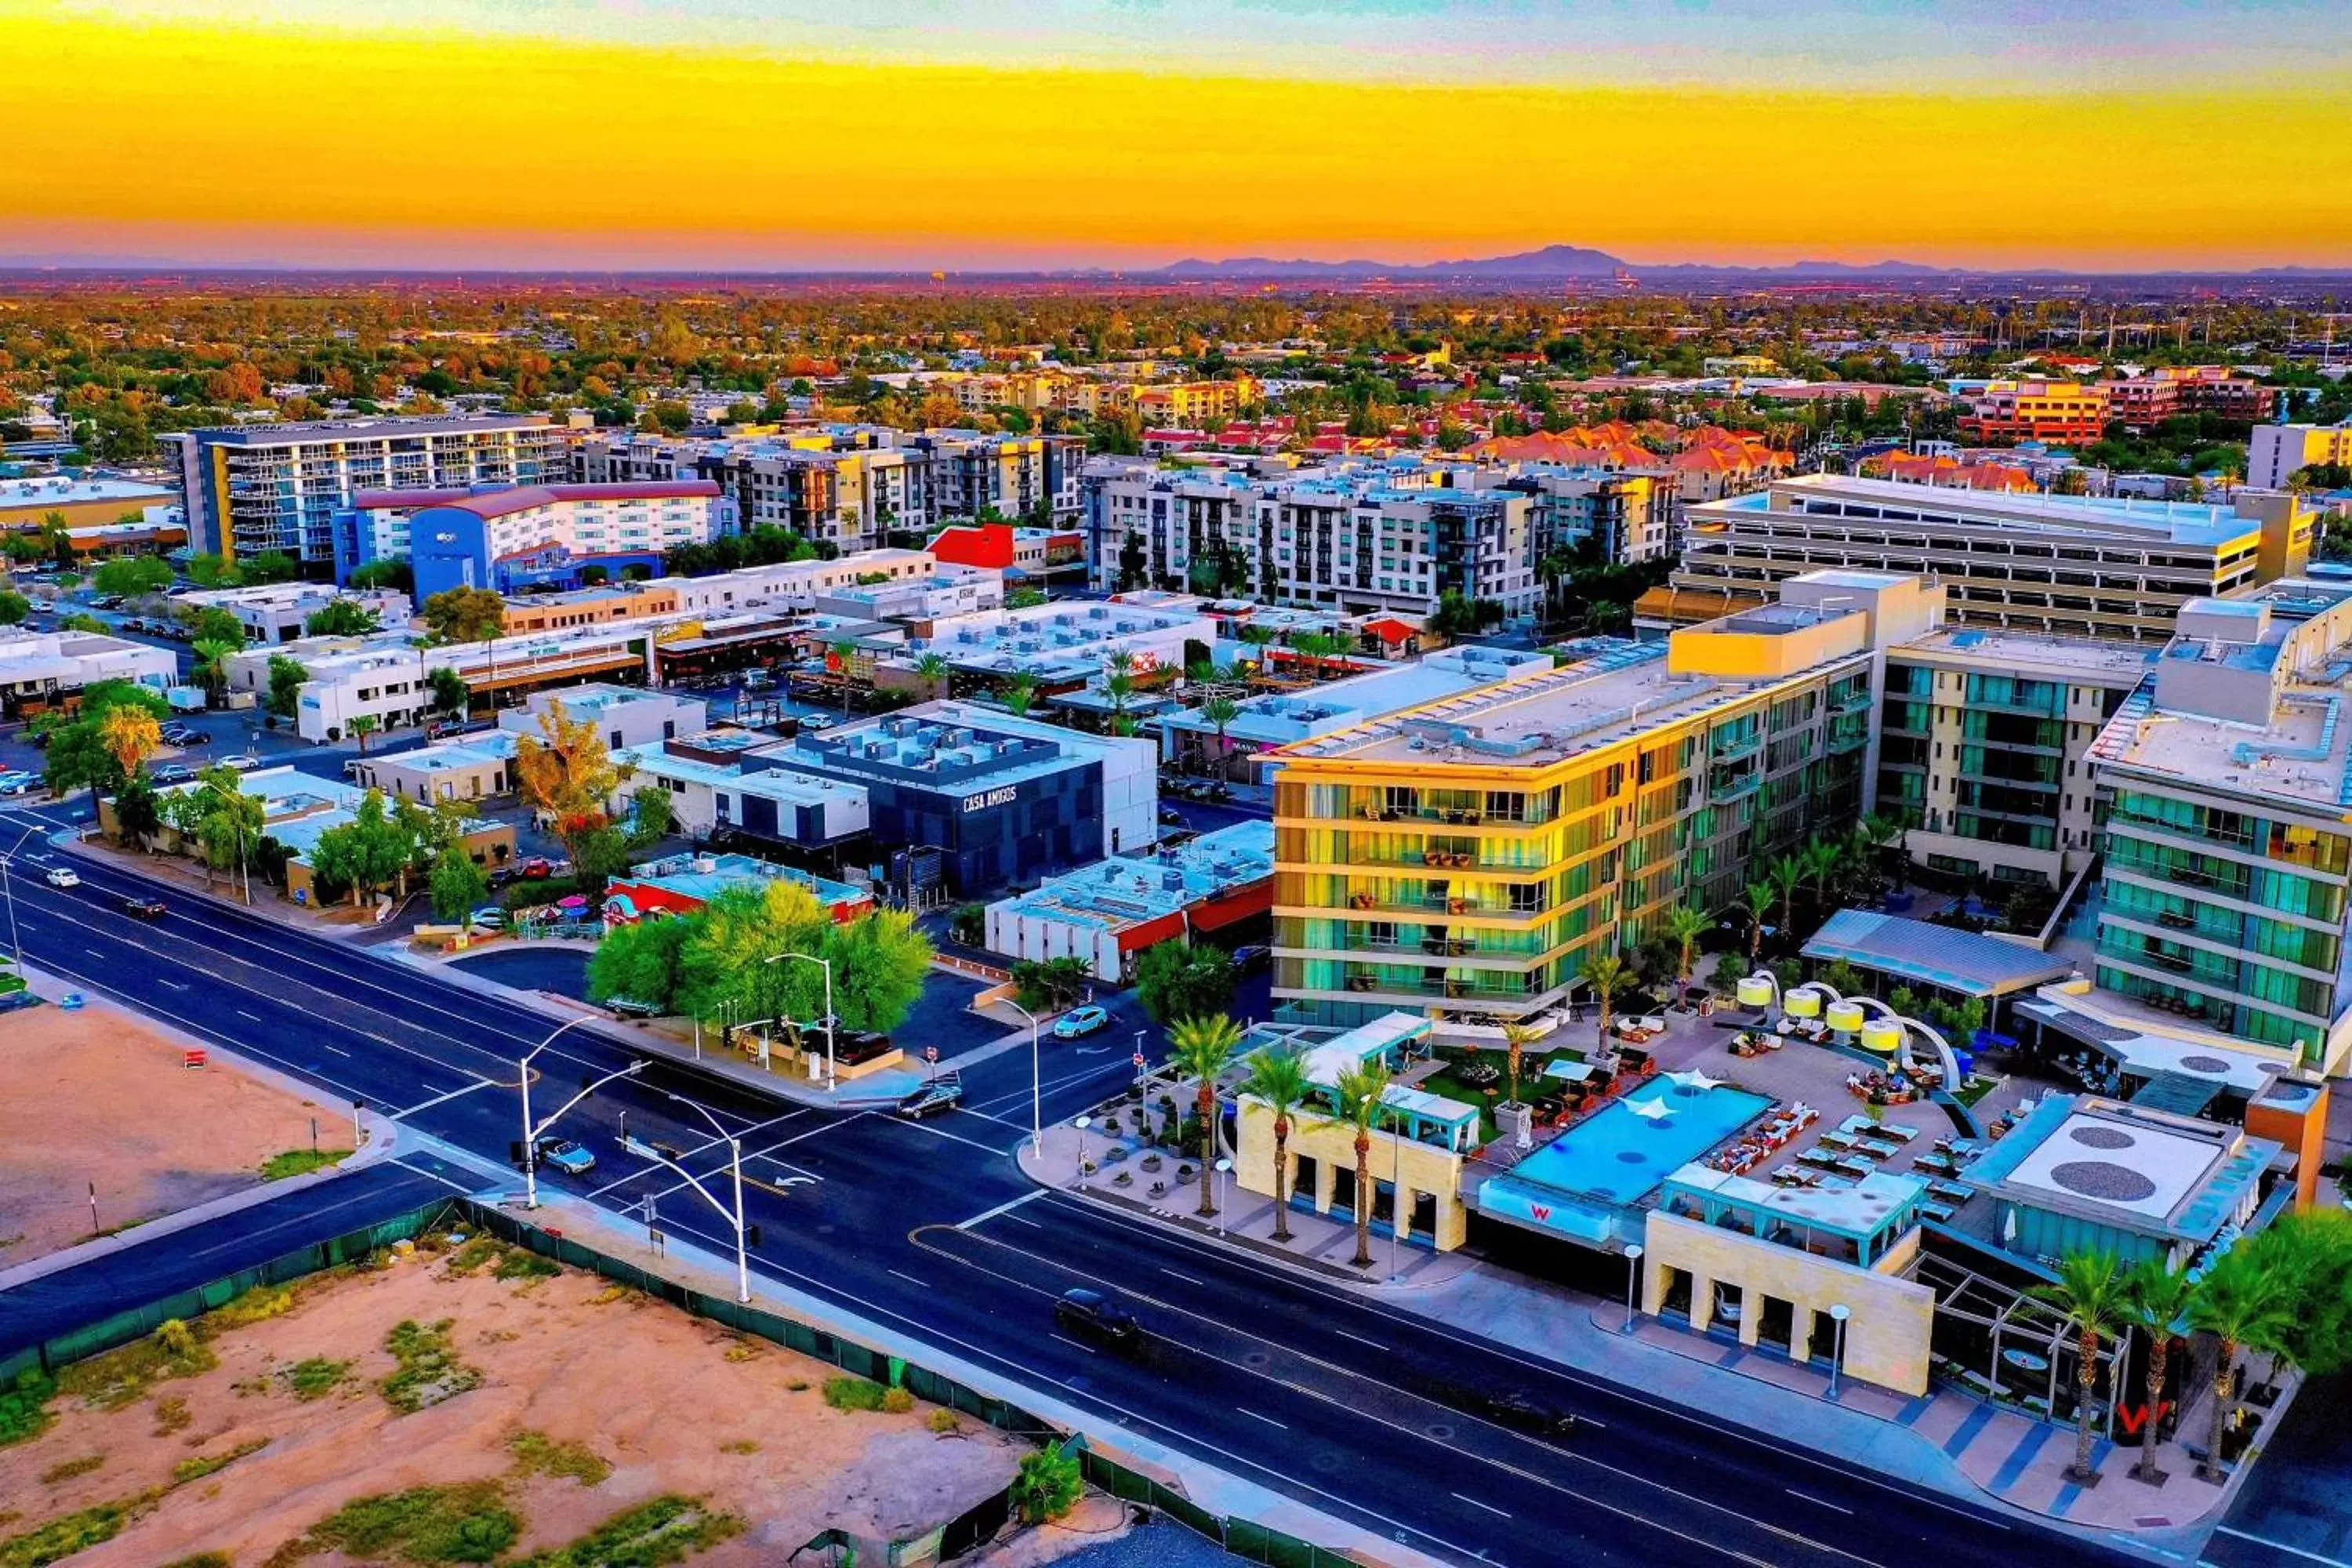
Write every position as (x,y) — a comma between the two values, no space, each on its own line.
(1004,796)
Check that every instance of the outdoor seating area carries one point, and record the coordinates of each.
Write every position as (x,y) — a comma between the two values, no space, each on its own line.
(1780,1125)
(1895,1086)
(1755,1042)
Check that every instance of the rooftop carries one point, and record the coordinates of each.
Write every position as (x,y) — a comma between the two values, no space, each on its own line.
(1113,895)
(705,877)
(2036,654)
(1873,1202)
(61,491)
(2125,1165)
(2115,517)
(1921,951)
(1281,718)
(368,428)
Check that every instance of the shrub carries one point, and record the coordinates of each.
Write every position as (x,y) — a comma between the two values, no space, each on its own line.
(301,1162)
(1048,1484)
(202,1465)
(521,1263)
(76,1531)
(316,1377)
(669,1528)
(429,1371)
(203,1560)
(537,1454)
(66,1469)
(896,1401)
(25,1407)
(853,1393)
(122,1375)
(468,1522)
(943,1421)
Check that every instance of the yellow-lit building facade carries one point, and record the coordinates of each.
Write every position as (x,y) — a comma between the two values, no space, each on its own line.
(1465,860)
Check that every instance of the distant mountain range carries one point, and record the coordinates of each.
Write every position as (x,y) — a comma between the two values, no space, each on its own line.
(1555,262)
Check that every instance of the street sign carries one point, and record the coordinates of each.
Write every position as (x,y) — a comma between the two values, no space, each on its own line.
(1139,1061)
(931,1053)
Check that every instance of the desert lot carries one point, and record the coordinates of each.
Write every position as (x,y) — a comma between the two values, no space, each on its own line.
(466,1405)
(99,1096)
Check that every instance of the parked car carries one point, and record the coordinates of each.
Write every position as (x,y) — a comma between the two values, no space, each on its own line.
(1216,792)
(1525,1411)
(144,909)
(1092,1313)
(630,1008)
(571,1159)
(1079,1022)
(14,782)
(63,877)
(1170,818)
(170,774)
(940,1094)
(1251,955)
(535,869)
(243,762)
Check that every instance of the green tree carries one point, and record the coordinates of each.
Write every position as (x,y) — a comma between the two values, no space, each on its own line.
(14,607)
(2242,1303)
(1517,1037)
(370,852)
(2094,1290)
(1219,712)
(284,698)
(1048,1483)
(969,925)
(1786,874)
(644,961)
(1610,977)
(451,695)
(80,754)
(210,669)
(396,574)
(213,571)
(1051,985)
(1362,1094)
(1757,900)
(79,622)
(361,726)
(1277,1076)
(2311,1254)
(725,971)
(269,566)
(138,816)
(342,618)
(131,576)
(1684,926)
(1019,694)
(1183,980)
(458,885)
(879,961)
(465,615)
(2156,1297)
(1201,1048)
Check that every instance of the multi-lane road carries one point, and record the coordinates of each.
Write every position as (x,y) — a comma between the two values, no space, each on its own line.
(930,1229)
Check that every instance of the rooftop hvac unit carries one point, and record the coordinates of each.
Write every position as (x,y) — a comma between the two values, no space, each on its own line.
(1173,882)
(1097,614)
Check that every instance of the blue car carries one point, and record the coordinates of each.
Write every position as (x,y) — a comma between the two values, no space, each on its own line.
(566,1156)
(1079,1022)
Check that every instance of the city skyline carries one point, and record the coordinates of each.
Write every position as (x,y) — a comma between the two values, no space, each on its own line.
(773,138)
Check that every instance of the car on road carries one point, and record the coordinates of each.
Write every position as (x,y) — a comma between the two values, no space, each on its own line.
(941,1094)
(1524,1412)
(1095,1315)
(63,877)
(170,774)
(1170,818)
(243,762)
(630,1008)
(536,869)
(1079,1022)
(571,1158)
(144,909)
(182,735)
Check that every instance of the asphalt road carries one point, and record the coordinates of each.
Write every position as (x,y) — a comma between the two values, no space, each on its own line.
(1347,1403)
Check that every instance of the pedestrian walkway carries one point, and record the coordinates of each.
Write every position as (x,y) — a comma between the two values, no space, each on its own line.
(1318,1243)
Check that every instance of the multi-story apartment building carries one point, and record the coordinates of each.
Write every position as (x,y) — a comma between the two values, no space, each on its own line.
(2142,402)
(2229,842)
(510,537)
(1192,403)
(1363,538)
(2072,565)
(254,488)
(2276,452)
(2036,411)
(1619,515)
(1984,742)
(1465,858)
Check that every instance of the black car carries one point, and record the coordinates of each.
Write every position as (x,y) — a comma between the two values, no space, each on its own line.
(144,909)
(1092,1312)
(940,1094)
(1524,1412)
(1170,818)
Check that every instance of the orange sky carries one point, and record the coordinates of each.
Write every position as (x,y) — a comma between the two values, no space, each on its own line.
(178,138)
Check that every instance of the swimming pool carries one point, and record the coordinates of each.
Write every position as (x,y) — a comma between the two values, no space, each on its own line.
(1620,1155)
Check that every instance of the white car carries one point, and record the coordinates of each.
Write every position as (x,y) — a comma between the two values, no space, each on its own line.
(63,877)
(243,762)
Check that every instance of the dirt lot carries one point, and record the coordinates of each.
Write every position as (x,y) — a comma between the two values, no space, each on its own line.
(548,1407)
(99,1096)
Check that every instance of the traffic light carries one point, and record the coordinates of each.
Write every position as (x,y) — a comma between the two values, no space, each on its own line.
(750,1235)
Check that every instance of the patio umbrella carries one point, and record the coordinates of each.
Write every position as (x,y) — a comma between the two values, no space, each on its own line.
(1653,1110)
(1697,1078)
(575,902)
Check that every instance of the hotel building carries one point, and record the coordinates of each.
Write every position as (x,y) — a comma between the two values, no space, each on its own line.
(2072,566)
(254,488)
(2036,411)
(1466,858)
(513,537)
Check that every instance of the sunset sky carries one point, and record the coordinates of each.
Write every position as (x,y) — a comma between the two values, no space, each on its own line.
(789,134)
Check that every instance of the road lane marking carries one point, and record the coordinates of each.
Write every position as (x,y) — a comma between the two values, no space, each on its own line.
(1267,1419)
(952,1137)
(918,1284)
(251,1017)
(1186,1278)
(1817,1502)
(1003,1208)
(1473,1502)
(443,1099)
(337,1049)
(1376,1345)
(2282,1546)
(1073,1345)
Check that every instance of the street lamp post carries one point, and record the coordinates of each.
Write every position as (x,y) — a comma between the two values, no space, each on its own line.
(1632,1280)
(1081,1123)
(530,1132)
(735,1164)
(831,1083)
(1838,1315)
(8,888)
(1224,1166)
(1036,1087)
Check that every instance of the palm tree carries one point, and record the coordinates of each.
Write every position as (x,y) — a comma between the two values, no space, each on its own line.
(1199,1049)
(1885,831)
(1020,693)
(843,652)
(1821,860)
(1279,1079)
(211,667)
(130,735)
(2156,1297)
(1220,711)
(363,726)
(1759,899)
(1515,1041)
(2243,1303)
(1361,1093)
(1787,875)
(2094,1292)
(1684,927)
(1120,689)
(932,670)
(1608,974)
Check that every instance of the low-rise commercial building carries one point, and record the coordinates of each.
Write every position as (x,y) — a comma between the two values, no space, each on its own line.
(726,781)
(624,716)
(683,884)
(511,538)
(2275,452)
(29,504)
(280,611)
(476,767)
(43,671)
(1109,912)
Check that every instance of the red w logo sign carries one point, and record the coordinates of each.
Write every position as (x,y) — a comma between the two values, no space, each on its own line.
(1541,1211)
(2135,1416)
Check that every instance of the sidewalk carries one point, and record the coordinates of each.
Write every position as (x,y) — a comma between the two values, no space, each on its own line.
(1947,1441)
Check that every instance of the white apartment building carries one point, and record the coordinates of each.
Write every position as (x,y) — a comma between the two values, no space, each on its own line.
(520,531)
(253,489)
(41,669)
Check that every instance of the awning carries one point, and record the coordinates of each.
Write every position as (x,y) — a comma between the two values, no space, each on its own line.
(1927,953)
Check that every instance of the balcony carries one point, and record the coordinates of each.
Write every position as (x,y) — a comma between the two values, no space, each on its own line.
(1731,749)
(1724,788)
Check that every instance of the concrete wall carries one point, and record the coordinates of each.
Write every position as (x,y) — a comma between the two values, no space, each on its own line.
(1886,1339)
(1033,937)
(1331,1143)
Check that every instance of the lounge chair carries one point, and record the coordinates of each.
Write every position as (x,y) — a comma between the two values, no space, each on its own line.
(1906,1134)
(1838,1140)
(1856,1168)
